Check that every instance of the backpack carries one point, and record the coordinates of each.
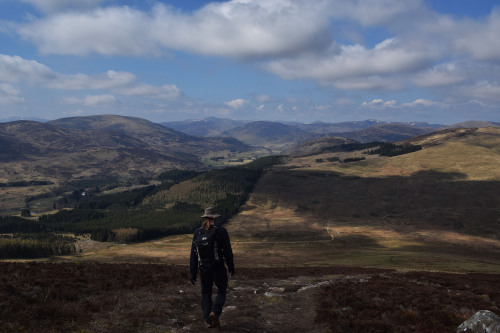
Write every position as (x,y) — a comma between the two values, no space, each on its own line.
(206,246)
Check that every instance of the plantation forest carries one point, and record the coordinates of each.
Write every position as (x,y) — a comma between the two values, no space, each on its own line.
(170,208)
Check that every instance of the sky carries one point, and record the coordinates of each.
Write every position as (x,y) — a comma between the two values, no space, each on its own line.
(436,61)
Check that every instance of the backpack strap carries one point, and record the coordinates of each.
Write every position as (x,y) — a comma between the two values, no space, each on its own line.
(216,249)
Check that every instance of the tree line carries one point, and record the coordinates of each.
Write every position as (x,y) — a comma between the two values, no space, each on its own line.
(26,183)
(390,149)
(145,213)
(35,245)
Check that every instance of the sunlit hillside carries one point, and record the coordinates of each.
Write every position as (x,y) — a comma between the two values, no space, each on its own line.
(472,154)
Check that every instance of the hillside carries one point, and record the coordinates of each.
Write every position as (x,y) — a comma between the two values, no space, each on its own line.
(213,126)
(100,146)
(385,133)
(380,241)
(474,124)
(348,126)
(154,135)
(319,146)
(471,153)
(204,127)
(281,136)
(412,211)
(34,139)
(270,134)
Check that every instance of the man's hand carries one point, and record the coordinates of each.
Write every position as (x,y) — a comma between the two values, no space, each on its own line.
(232,273)
(193,280)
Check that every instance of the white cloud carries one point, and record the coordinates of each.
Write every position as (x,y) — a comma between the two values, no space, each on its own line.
(108,80)
(9,95)
(293,39)
(236,103)
(246,29)
(379,103)
(387,57)
(167,91)
(91,100)
(484,90)
(442,75)
(420,102)
(423,102)
(16,69)
(481,39)
(239,29)
(99,99)
(108,31)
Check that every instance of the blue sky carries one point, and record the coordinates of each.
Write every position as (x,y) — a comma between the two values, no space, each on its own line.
(280,60)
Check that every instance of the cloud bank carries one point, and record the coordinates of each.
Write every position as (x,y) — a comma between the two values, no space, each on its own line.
(327,42)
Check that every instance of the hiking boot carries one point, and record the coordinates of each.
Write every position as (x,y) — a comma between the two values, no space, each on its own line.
(215,320)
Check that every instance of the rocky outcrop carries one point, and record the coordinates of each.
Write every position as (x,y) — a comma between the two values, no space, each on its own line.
(483,321)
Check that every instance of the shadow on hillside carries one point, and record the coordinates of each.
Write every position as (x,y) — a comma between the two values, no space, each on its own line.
(426,199)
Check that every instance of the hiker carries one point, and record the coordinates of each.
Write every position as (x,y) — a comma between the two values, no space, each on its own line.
(210,249)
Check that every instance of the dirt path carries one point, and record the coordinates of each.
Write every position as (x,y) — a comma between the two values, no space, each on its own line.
(259,306)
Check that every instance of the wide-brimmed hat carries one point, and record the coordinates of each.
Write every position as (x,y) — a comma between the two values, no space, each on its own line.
(210,212)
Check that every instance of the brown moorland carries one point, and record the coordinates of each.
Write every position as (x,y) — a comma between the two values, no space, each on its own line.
(99,297)
(402,244)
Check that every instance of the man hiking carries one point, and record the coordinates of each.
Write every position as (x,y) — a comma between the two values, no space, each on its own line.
(211,248)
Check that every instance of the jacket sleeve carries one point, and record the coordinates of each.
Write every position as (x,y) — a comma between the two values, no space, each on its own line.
(193,259)
(227,251)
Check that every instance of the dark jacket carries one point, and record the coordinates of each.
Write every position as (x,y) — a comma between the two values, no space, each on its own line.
(223,249)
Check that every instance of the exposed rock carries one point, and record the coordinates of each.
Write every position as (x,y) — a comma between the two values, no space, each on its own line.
(483,321)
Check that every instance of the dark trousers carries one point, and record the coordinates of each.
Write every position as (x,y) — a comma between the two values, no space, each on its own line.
(217,275)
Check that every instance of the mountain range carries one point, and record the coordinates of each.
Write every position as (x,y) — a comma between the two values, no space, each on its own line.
(282,136)
(128,147)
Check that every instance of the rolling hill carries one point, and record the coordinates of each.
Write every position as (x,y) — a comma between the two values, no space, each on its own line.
(280,136)
(210,126)
(319,146)
(355,126)
(474,124)
(472,153)
(270,134)
(97,146)
(154,135)
(389,132)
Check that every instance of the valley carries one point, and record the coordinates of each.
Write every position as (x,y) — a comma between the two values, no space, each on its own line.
(326,217)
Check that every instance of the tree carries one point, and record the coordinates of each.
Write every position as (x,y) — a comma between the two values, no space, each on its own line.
(25,212)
